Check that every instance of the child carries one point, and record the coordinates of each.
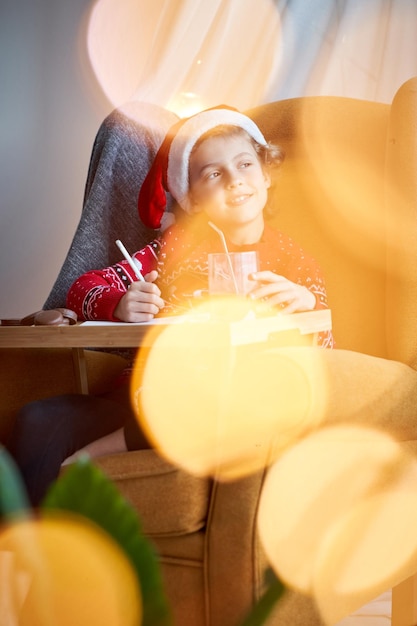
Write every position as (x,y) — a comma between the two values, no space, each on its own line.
(217,165)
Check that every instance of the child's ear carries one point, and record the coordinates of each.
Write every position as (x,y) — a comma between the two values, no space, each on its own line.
(193,206)
(267,178)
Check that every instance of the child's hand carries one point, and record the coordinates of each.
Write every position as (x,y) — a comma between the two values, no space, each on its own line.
(141,302)
(282,293)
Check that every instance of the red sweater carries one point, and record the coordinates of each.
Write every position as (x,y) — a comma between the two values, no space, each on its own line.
(180,256)
(95,294)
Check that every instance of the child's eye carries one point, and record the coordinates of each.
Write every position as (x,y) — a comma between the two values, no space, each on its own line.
(245,164)
(212,175)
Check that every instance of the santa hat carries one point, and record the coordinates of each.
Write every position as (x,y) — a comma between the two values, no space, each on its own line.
(169,171)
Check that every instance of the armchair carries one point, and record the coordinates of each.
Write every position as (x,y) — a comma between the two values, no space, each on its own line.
(348,193)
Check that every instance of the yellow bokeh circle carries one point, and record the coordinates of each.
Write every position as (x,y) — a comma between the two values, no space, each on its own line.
(337,517)
(66,571)
(215,403)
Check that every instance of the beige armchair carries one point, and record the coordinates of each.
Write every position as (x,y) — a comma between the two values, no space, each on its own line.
(348,193)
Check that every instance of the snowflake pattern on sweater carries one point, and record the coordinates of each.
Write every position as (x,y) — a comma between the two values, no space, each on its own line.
(181,257)
(95,294)
(183,265)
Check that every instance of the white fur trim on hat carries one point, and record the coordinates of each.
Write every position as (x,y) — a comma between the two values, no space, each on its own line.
(186,138)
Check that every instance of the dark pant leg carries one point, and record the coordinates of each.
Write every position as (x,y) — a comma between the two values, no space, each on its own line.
(47,431)
(135,438)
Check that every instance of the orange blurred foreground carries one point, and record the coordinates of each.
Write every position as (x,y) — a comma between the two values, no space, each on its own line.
(338,515)
(215,408)
(62,570)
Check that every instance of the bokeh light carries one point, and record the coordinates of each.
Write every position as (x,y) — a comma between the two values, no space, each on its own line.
(184,55)
(337,517)
(213,407)
(346,167)
(66,571)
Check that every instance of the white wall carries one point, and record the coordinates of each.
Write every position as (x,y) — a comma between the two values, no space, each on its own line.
(48,121)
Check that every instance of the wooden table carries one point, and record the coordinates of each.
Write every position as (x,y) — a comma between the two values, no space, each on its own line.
(120,335)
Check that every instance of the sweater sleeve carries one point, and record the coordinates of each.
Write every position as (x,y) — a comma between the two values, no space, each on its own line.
(95,294)
(312,278)
(304,270)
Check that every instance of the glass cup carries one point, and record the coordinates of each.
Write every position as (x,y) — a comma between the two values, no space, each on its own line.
(229,273)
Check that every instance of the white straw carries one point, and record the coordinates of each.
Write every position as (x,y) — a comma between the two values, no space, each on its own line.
(130,260)
(226,249)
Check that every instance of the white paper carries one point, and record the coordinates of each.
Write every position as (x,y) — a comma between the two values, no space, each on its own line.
(161,321)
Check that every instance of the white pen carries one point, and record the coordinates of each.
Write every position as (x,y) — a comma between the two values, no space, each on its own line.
(130,260)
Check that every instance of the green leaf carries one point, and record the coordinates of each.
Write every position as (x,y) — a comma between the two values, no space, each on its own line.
(85,490)
(13,497)
(262,610)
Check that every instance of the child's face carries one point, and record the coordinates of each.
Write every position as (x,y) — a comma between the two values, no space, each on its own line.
(227,181)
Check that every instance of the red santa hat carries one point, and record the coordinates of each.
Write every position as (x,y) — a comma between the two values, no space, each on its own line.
(170,169)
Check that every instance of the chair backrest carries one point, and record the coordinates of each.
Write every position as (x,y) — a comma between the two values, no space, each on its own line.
(335,196)
(401,202)
(124,148)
